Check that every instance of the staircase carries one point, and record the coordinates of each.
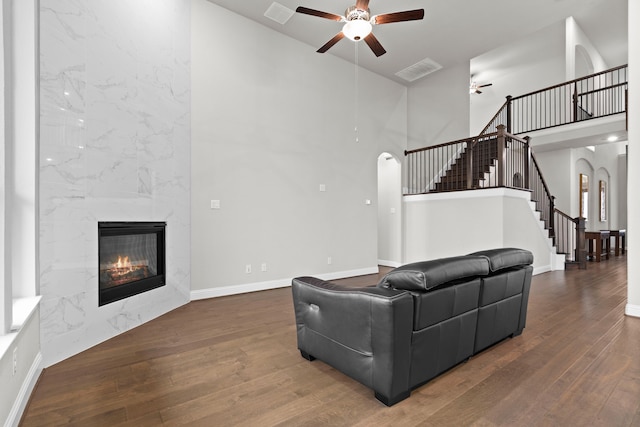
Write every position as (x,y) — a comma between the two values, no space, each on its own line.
(484,156)
(498,157)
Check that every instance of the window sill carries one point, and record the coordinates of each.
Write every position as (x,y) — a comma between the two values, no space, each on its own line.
(23,309)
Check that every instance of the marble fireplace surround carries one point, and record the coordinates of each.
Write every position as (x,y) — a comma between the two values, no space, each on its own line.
(114,146)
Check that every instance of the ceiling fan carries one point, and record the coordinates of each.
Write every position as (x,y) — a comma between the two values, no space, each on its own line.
(359,23)
(475,88)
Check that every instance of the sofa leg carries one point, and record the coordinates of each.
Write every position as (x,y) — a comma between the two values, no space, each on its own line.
(516,333)
(307,356)
(390,401)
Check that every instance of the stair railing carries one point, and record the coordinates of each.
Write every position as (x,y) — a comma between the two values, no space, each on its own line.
(597,95)
(570,239)
(542,197)
(493,160)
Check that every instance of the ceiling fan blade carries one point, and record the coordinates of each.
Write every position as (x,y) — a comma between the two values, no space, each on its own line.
(407,15)
(375,45)
(320,14)
(486,85)
(362,4)
(331,42)
(478,91)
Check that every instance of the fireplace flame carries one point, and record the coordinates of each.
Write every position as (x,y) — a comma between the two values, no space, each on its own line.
(123,264)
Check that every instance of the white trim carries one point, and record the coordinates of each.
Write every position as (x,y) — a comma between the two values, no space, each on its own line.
(386,263)
(469,194)
(273,284)
(632,310)
(25,392)
(542,269)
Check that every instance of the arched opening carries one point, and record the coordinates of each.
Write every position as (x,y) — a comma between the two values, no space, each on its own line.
(583,63)
(518,182)
(389,211)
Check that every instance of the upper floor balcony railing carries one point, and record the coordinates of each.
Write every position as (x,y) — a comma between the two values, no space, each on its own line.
(597,95)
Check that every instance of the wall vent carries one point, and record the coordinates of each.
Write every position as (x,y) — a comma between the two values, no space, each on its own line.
(279,13)
(419,70)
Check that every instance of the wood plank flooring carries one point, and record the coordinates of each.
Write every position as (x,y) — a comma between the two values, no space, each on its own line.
(234,361)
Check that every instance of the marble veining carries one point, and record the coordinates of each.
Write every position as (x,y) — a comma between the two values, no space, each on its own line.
(115,146)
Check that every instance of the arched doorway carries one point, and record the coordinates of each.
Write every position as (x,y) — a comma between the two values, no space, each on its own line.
(389,211)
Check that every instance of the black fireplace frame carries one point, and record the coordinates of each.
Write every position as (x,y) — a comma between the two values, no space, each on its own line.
(116,293)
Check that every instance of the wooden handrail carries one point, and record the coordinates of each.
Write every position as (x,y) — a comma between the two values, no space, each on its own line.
(570,82)
(494,118)
(431,147)
(544,183)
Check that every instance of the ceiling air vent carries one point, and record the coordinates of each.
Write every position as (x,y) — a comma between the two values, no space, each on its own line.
(419,70)
(279,13)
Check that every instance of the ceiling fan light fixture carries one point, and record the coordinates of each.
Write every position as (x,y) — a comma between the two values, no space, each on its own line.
(357,29)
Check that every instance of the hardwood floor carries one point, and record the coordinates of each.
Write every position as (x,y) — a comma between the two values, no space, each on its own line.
(234,361)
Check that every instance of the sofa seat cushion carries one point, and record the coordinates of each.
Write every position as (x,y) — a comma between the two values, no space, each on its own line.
(426,275)
(502,258)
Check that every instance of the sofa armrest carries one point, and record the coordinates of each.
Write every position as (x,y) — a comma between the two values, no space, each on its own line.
(363,332)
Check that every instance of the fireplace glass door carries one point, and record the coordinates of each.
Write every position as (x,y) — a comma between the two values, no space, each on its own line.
(131,259)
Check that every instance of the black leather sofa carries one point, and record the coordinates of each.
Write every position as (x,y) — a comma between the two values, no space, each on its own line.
(419,321)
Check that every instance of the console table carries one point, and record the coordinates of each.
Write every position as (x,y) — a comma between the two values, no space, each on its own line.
(620,236)
(599,239)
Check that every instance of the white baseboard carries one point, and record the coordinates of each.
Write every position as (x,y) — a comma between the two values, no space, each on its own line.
(541,269)
(272,284)
(25,392)
(387,263)
(632,310)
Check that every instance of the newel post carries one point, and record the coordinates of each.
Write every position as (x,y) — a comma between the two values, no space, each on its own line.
(552,218)
(527,163)
(470,172)
(575,102)
(502,147)
(509,98)
(581,249)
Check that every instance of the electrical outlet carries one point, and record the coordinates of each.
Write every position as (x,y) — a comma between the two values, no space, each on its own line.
(15,360)
(329,260)
(247,268)
(263,267)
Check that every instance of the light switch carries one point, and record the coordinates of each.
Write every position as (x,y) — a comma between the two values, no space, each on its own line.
(367,202)
(323,187)
(215,204)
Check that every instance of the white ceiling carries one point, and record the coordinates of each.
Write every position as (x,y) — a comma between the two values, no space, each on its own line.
(452,32)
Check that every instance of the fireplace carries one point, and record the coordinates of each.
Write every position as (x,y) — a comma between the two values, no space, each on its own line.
(131,259)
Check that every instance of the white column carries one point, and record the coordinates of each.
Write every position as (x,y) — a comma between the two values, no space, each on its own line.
(6,134)
(633,202)
(25,157)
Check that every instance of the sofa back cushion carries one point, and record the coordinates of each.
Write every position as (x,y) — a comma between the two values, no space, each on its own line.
(445,303)
(502,258)
(426,275)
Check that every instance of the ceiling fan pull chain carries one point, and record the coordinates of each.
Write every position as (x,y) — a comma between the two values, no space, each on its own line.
(355,129)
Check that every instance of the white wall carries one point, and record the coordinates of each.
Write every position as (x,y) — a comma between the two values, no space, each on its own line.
(16,388)
(525,64)
(438,109)
(558,168)
(562,168)
(389,211)
(448,224)
(633,208)
(576,38)
(115,146)
(273,121)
